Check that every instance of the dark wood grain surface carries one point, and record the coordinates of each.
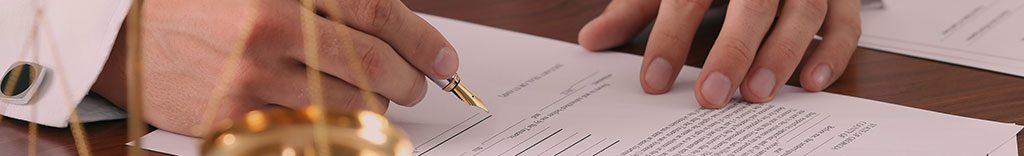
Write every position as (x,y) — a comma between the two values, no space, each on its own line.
(872,74)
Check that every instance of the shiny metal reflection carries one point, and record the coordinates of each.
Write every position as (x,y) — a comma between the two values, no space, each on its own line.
(20,82)
(279,131)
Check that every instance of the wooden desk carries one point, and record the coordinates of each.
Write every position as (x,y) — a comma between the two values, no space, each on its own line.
(872,74)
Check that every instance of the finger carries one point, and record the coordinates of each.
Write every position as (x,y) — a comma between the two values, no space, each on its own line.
(372,64)
(291,89)
(841,33)
(669,43)
(619,22)
(384,70)
(413,38)
(746,23)
(783,49)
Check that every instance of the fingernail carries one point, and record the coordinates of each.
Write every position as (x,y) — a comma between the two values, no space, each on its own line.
(716,88)
(658,74)
(446,63)
(762,82)
(822,75)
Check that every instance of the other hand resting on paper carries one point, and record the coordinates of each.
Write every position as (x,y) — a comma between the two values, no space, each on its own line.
(750,53)
(188,43)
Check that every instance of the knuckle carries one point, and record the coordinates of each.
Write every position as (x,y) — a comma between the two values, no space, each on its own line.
(814,9)
(736,55)
(688,3)
(376,14)
(372,61)
(791,55)
(267,22)
(790,49)
(759,7)
(361,100)
(351,100)
(249,74)
(329,55)
(737,50)
(265,31)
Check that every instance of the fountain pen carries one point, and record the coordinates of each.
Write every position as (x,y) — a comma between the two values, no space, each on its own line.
(455,86)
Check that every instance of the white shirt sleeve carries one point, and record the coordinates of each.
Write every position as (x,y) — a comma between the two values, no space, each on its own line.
(74,39)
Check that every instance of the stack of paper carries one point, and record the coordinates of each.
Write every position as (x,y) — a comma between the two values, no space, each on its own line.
(550,97)
(983,34)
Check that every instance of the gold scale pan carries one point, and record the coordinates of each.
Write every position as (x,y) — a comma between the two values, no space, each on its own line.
(286,132)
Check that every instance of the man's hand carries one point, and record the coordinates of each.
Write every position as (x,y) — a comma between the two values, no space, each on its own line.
(750,53)
(187,44)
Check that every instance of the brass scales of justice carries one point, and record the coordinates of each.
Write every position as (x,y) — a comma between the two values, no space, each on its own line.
(275,131)
(309,131)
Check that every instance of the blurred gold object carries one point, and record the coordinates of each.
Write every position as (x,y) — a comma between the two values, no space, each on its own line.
(279,131)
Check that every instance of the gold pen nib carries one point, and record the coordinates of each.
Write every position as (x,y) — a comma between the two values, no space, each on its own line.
(468,97)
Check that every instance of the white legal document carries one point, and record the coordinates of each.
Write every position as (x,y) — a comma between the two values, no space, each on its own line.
(1007,149)
(550,97)
(170,143)
(983,34)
